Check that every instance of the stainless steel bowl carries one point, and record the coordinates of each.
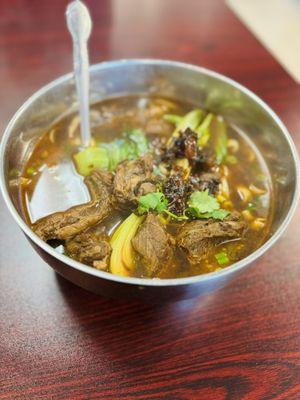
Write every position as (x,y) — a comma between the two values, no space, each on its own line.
(213,91)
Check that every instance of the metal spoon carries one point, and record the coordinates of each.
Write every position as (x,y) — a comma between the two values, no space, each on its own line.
(80,25)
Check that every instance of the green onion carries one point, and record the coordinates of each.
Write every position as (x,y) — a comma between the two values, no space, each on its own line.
(222,258)
(250,206)
(30,171)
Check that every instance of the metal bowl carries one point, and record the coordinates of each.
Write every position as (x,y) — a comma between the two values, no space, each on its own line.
(208,89)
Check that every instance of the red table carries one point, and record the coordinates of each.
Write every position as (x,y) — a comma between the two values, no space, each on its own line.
(58,341)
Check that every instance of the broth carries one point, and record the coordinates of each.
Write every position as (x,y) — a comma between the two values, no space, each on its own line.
(51,183)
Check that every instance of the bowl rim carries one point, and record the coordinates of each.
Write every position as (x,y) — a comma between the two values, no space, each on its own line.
(154,282)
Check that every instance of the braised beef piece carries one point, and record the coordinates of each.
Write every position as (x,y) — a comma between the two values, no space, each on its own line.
(154,246)
(197,238)
(133,179)
(90,247)
(66,224)
(177,191)
(97,181)
(206,180)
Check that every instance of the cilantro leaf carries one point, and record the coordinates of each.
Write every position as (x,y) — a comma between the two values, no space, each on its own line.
(202,202)
(217,214)
(203,205)
(152,202)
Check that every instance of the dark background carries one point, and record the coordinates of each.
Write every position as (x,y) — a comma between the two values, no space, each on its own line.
(58,341)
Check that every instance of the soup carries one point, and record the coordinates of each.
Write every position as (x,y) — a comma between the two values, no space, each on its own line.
(165,190)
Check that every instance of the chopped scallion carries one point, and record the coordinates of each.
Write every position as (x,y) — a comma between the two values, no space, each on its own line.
(222,258)
(30,171)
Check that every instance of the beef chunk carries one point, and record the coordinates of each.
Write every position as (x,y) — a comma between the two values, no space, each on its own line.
(154,246)
(197,238)
(66,224)
(132,179)
(90,247)
(206,180)
(97,182)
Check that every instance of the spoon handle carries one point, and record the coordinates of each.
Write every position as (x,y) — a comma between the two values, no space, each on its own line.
(79,24)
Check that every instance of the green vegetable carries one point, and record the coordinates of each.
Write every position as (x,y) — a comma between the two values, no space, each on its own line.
(157,171)
(140,140)
(114,150)
(122,257)
(30,171)
(222,258)
(91,159)
(109,155)
(157,202)
(190,120)
(255,203)
(210,129)
(203,130)
(173,118)
(152,202)
(203,205)
(250,206)
(219,139)
(217,214)
(177,217)
(202,202)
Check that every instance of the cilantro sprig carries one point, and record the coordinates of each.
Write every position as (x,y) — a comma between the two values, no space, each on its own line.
(152,202)
(203,205)
(200,205)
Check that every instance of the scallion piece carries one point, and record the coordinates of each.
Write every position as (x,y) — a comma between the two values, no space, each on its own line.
(222,258)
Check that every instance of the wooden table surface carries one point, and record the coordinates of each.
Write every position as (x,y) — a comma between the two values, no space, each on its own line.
(58,341)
